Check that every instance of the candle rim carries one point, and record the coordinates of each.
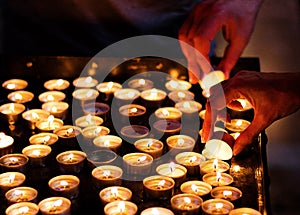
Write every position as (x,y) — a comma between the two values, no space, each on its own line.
(225,188)
(53,181)
(112,205)
(115,168)
(159,177)
(66,202)
(140,142)
(33,192)
(223,201)
(161,167)
(181,155)
(178,199)
(104,191)
(25,159)
(17,206)
(45,148)
(139,154)
(241,210)
(97,120)
(21,108)
(49,82)
(77,131)
(197,183)
(102,84)
(85,91)
(117,140)
(94,127)
(40,135)
(24,83)
(80,153)
(223,174)
(128,106)
(78,82)
(120,92)
(182,84)
(29,94)
(162,209)
(43,96)
(17,174)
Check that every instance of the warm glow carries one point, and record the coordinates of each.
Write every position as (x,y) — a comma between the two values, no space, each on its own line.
(11,86)
(36,153)
(243,102)
(130,95)
(218,178)
(2,135)
(50,119)
(227,193)
(12,107)
(165,112)
(153,93)
(13,159)
(236,168)
(106,143)
(69,131)
(88,80)
(106,173)
(50,98)
(142,81)
(121,207)
(110,85)
(174,84)
(54,109)
(70,156)
(238,123)
(18,96)
(154,211)
(23,210)
(18,193)
(194,188)
(193,159)
(58,203)
(59,82)
(46,139)
(172,166)
(89,93)
(181,94)
(11,178)
(215,164)
(149,143)
(180,141)
(114,191)
(141,159)
(161,183)
(219,205)
(187,105)
(187,200)
(133,110)
(88,118)
(98,130)
(34,115)
(63,183)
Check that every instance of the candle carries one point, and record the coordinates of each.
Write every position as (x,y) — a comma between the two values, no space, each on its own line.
(244,211)
(137,163)
(12,111)
(176,84)
(20,96)
(71,161)
(56,84)
(191,161)
(172,170)
(22,208)
(94,131)
(52,96)
(134,132)
(157,211)
(126,95)
(213,165)
(96,109)
(120,208)
(33,116)
(55,205)
(181,95)
(150,146)
(140,84)
(188,107)
(180,143)
(9,180)
(68,135)
(85,82)
(217,206)
(49,124)
(65,185)
(37,154)
(199,188)
(107,175)
(101,157)
(153,94)
(21,194)
(131,110)
(166,128)
(115,193)
(186,204)
(15,84)
(84,95)
(216,148)
(43,138)
(57,109)
(158,187)
(111,142)
(88,120)
(226,192)
(107,89)
(237,125)
(210,80)
(6,144)
(217,179)
(14,162)
(170,113)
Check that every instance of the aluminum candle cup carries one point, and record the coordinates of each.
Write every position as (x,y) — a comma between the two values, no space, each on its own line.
(55,205)
(244,211)
(49,124)
(188,107)
(137,163)
(217,206)
(88,120)
(14,162)
(210,80)
(6,144)
(85,95)
(166,128)
(15,84)
(22,208)
(186,204)
(150,146)
(107,175)
(180,143)
(68,135)
(92,132)
(33,116)
(228,193)
(213,165)
(198,188)
(181,95)
(9,180)
(71,161)
(52,96)
(37,154)
(120,208)
(157,210)
(153,97)
(20,96)
(158,187)
(97,109)
(140,84)
(12,112)
(115,193)
(126,96)
(169,113)
(64,185)
(132,114)
(107,89)
(56,84)
(172,170)
(237,125)
(85,82)
(57,109)
(109,141)
(176,84)
(191,161)
(21,194)
(43,138)
(217,179)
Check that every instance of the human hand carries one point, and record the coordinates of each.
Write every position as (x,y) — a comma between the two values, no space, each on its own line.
(236,18)
(272,95)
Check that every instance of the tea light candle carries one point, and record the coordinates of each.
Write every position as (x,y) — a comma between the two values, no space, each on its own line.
(71,161)
(49,124)
(57,109)
(217,179)
(176,84)
(217,206)
(181,95)
(167,127)
(153,94)
(132,110)
(186,204)
(14,162)
(226,192)
(157,211)
(84,95)
(199,188)
(96,109)
(101,157)
(213,165)
(150,146)
(107,175)
(170,113)
(43,138)
(65,185)
(115,193)
(88,120)
(108,87)
(244,211)
(22,208)
(140,84)
(180,143)
(85,82)
(216,148)
(191,161)
(33,116)
(56,84)
(210,80)
(21,194)
(9,180)
(20,96)
(52,96)
(67,131)
(92,132)
(55,205)
(6,144)
(237,125)
(120,208)
(12,111)
(37,154)
(188,107)
(109,141)
(172,170)
(134,131)
(137,163)
(15,84)
(158,187)
(126,95)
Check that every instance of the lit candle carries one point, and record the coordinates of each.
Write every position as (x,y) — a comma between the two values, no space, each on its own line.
(43,138)
(210,80)
(172,170)
(237,125)
(6,144)
(22,208)
(181,95)
(199,188)
(217,206)
(84,95)
(33,116)
(120,208)
(126,95)
(12,111)
(85,82)
(9,180)
(150,146)
(134,132)
(166,128)
(180,143)
(219,149)
(226,192)
(140,84)
(92,132)
(176,84)
(157,211)
(170,113)
(137,163)
(21,194)
(107,175)
(96,109)
(52,96)
(15,84)
(244,211)
(49,124)
(71,161)
(55,205)
(57,109)
(191,161)
(14,162)
(188,107)
(131,110)
(111,142)
(37,154)
(158,187)
(88,120)
(65,185)
(153,95)
(115,193)
(213,165)
(186,204)
(107,89)
(56,84)
(101,157)
(20,96)
(68,135)
(217,179)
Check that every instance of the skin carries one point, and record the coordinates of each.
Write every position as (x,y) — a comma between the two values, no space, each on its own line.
(272,95)
(236,19)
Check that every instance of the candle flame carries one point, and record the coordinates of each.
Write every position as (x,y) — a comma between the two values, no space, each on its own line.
(187,105)
(13,159)
(59,82)
(88,80)
(12,107)
(18,193)
(106,173)
(227,193)
(154,211)
(218,178)
(106,143)
(69,131)
(161,183)
(53,109)
(70,156)
(34,115)
(63,183)
(194,188)
(219,205)
(142,81)
(88,118)
(11,86)
(236,168)
(130,95)
(165,112)
(50,119)
(50,97)
(11,178)
(174,84)
(141,159)
(153,92)
(215,164)
(181,94)
(114,191)
(2,135)
(36,152)
(18,96)
(121,206)
(193,159)
(149,143)
(110,85)
(238,123)
(187,200)
(98,130)
(23,210)
(133,110)
(172,166)
(46,139)
(89,93)
(180,141)
(58,203)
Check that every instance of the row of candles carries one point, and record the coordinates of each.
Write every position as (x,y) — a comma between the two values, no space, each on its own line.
(50,122)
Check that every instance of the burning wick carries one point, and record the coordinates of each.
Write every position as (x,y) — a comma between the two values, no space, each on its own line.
(55,204)
(46,139)
(11,178)
(18,194)
(106,143)
(11,86)
(23,210)
(59,82)
(194,188)
(142,81)
(106,173)
(50,98)
(193,159)
(70,157)
(218,178)
(149,144)
(97,130)
(186,105)
(88,80)
(154,211)
(63,185)
(187,202)
(36,153)
(133,110)
(114,192)
(180,142)
(11,108)
(161,184)
(219,206)
(172,166)
(89,119)
(165,113)
(130,95)
(227,194)
(69,131)
(89,93)
(236,168)
(181,95)
(141,159)
(121,207)
(13,161)
(110,85)
(50,120)
(34,115)
(215,165)
(18,97)
(174,84)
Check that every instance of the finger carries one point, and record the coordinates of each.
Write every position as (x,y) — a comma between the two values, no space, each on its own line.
(209,122)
